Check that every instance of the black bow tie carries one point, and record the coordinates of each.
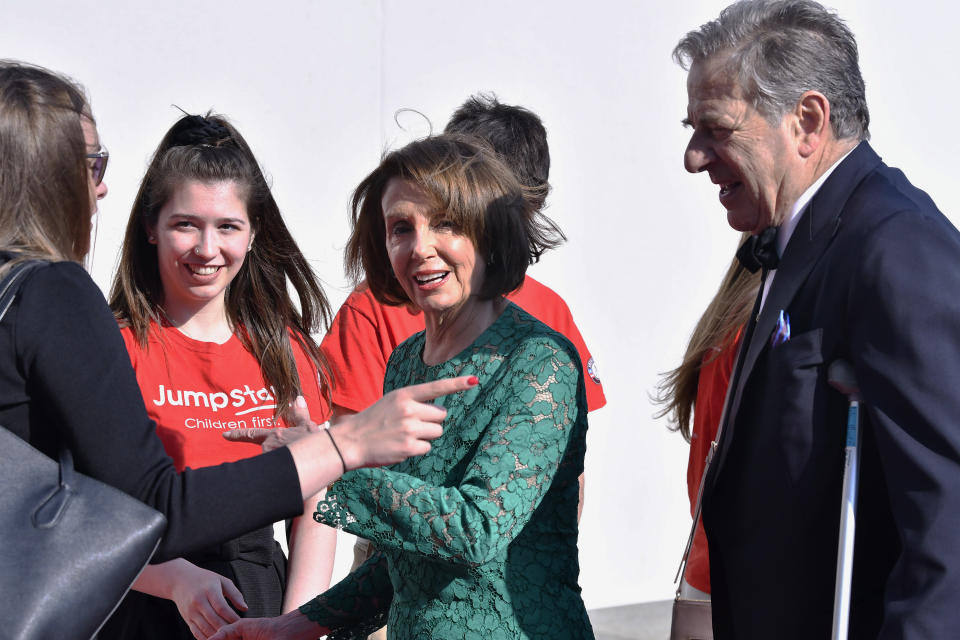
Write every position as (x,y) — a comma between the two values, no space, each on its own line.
(760,251)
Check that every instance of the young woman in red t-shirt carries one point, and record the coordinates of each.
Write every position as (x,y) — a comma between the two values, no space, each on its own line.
(217,343)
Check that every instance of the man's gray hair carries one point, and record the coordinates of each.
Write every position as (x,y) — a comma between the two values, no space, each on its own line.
(781,49)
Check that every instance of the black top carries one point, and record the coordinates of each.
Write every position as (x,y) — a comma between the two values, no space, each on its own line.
(65,378)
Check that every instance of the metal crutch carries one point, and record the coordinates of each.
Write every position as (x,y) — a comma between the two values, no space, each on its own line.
(841,377)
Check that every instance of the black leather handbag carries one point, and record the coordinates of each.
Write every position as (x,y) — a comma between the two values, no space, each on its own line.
(71,545)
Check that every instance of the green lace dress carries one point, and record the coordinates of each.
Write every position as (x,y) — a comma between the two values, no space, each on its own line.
(478,538)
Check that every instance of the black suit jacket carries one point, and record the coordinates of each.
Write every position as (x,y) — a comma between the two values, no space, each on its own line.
(871,274)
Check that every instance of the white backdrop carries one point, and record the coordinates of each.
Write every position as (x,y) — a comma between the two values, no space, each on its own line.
(314,86)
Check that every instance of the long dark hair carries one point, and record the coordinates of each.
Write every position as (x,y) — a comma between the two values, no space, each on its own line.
(258,306)
(44,185)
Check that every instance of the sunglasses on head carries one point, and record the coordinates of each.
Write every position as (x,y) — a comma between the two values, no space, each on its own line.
(99,165)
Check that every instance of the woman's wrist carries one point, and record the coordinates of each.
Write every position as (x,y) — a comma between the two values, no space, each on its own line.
(349,450)
(316,461)
(159,580)
(333,441)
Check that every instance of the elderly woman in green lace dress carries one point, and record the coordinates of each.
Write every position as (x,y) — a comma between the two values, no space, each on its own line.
(478,537)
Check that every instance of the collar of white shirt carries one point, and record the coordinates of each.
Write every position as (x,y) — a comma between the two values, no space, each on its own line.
(789,224)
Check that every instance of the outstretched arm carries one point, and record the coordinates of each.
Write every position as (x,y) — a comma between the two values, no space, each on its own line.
(399,425)
(289,626)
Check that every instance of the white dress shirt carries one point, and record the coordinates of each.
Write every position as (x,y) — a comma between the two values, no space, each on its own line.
(789,224)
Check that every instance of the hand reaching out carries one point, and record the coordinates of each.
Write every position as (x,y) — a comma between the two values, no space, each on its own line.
(200,595)
(399,425)
(289,626)
(300,425)
(201,598)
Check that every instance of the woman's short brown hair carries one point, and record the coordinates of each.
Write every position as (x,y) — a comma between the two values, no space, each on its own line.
(469,185)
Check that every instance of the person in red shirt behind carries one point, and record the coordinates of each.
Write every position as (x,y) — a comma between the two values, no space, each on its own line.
(365,332)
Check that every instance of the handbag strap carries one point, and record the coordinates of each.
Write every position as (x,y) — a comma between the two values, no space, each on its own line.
(697,512)
(682,569)
(11,283)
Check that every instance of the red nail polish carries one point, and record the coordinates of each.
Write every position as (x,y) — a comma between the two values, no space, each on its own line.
(473,380)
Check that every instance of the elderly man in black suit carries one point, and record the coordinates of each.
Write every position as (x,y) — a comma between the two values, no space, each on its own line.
(864,268)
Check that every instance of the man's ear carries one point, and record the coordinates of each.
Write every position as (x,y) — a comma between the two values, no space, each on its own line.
(812,123)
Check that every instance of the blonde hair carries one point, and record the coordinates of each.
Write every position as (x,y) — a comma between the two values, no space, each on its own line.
(727,312)
(44,182)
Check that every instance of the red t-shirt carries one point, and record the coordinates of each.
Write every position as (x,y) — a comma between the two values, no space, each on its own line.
(711,393)
(364,334)
(196,390)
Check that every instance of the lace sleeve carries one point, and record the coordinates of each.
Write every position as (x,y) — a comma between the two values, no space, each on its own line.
(531,414)
(356,606)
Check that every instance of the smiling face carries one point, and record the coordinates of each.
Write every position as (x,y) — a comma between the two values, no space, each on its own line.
(754,163)
(202,235)
(438,267)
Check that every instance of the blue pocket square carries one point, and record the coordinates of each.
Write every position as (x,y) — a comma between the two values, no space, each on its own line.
(782,333)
